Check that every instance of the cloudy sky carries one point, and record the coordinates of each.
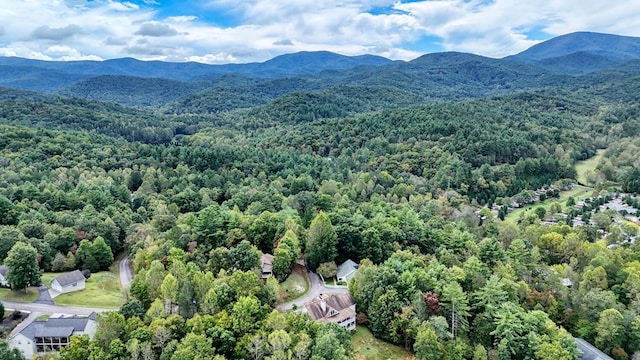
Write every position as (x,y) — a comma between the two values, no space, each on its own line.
(223,31)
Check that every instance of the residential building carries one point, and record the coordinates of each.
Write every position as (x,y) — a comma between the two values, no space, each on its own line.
(267,261)
(339,309)
(42,336)
(71,281)
(590,352)
(346,270)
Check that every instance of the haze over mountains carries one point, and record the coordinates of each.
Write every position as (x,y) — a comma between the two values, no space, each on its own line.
(201,88)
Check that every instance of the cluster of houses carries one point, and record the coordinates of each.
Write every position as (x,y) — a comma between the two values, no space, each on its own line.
(339,309)
(54,333)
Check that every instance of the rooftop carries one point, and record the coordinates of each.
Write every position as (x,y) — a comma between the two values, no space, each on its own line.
(57,327)
(590,352)
(322,306)
(69,278)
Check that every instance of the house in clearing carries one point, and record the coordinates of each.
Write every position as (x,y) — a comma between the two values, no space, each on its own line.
(71,281)
(42,336)
(4,269)
(339,309)
(267,261)
(346,270)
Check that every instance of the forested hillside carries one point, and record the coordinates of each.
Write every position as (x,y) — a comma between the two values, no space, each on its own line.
(409,169)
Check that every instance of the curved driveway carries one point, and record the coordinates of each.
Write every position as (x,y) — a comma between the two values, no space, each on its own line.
(316,287)
(126,276)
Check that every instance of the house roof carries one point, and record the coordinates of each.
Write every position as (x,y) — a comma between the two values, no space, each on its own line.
(267,260)
(46,331)
(347,269)
(57,327)
(3,270)
(69,278)
(590,352)
(320,308)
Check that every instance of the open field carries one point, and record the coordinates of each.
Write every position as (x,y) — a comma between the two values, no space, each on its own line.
(19,296)
(294,287)
(102,290)
(588,165)
(578,192)
(367,347)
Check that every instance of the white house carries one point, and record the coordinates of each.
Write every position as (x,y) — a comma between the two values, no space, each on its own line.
(346,270)
(43,336)
(71,281)
(339,309)
(4,269)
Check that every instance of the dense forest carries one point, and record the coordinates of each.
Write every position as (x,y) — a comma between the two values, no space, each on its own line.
(412,182)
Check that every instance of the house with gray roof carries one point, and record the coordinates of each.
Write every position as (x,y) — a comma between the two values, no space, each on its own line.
(4,269)
(339,309)
(267,265)
(71,281)
(590,352)
(346,270)
(42,336)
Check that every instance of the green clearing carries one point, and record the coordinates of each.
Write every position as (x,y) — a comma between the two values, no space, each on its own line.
(578,192)
(367,347)
(588,165)
(294,287)
(19,296)
(102,291)
(48,276)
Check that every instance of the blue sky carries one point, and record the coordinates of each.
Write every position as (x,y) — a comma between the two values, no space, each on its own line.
(223,31)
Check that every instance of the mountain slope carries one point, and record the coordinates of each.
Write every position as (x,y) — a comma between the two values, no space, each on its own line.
(129,90)
(581,52)
(612,46)
(453,75)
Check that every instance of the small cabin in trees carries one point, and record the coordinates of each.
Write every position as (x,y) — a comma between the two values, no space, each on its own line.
(69,282)
(267,265)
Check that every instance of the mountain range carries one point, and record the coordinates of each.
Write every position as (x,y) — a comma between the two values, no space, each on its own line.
(200,88)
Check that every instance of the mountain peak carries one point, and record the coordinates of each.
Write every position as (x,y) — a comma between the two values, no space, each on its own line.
(608,45)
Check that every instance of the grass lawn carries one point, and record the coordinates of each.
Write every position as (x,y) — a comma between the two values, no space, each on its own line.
(590,164)
(48,276)
(578,192)
(19,296)
(102,291)
(294,287)
(367,347)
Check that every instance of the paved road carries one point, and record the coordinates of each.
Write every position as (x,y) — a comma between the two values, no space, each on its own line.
(51,309)
(126,276)
(316,287)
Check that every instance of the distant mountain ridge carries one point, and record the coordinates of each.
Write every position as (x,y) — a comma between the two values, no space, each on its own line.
(581,52)
(196,88)
(280,66)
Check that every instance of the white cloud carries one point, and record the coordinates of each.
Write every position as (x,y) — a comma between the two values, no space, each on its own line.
(221,58)
(112,28)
